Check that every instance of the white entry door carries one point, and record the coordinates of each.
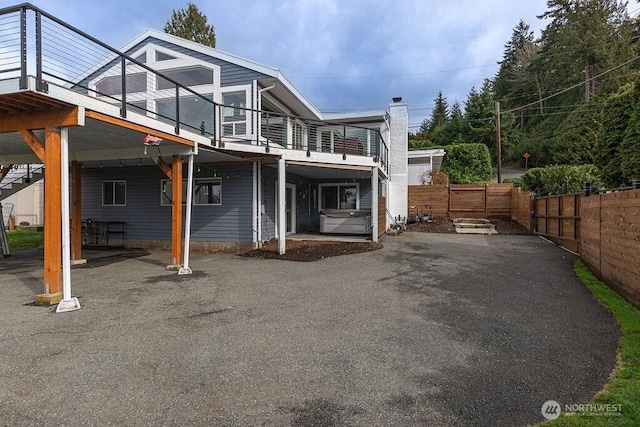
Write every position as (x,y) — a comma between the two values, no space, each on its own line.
(290,208)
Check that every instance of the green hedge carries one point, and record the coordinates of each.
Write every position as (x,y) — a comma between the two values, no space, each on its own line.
(561,179)
(467,163)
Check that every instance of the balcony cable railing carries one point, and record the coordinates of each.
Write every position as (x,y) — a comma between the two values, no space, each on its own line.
(71,58)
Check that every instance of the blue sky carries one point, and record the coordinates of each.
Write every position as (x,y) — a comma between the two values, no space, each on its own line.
(342,54)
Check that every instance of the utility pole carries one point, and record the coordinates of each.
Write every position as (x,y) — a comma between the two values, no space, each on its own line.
(498,144)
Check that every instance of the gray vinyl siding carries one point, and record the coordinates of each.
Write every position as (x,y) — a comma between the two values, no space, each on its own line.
(146,219)
(307,214)
(230,74)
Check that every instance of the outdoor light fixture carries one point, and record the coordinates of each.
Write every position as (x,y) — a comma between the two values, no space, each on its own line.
(119,163)
(100,163)
(139,162)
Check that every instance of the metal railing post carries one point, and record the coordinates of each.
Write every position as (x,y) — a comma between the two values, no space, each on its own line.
(268,135)
(308,139)
(123,67)
(23,48)
(41,86)
(344,142)
(177,109)
(215,126)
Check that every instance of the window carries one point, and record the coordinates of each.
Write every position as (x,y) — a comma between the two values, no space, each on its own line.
(114,193)
(207,191)
(339,196)
(112,85)
(234,115)
(166,192)
(192,76)
(161,56)
(194,111)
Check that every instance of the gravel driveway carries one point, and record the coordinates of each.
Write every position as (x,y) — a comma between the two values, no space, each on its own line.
(431,330)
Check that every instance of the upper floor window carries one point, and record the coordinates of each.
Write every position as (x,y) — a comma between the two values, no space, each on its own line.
(192,76)
(161,56)
(234,115)
(112,85)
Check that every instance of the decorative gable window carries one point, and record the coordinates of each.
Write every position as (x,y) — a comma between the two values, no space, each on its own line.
(192,76)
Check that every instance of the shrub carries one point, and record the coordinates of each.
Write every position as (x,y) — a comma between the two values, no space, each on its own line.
(517,181)
(561,179)
(467,163)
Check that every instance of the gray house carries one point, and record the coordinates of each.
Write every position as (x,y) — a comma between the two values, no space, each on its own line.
(114,129)
(256,118)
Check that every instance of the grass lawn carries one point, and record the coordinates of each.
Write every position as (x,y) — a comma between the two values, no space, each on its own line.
(623,389)
(24,239)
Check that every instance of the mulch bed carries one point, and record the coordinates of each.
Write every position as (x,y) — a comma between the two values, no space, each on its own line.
(444,225)
(311,250)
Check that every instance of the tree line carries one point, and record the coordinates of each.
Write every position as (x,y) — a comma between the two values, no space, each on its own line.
(570,96)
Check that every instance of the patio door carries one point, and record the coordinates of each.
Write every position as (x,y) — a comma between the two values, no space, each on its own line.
(290,208)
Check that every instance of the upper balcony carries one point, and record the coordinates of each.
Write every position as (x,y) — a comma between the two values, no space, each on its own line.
(34,43)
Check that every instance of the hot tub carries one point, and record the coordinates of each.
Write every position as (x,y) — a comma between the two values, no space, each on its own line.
(345,221)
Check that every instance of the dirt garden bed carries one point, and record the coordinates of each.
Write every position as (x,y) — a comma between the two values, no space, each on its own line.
(311,250)
(444,225)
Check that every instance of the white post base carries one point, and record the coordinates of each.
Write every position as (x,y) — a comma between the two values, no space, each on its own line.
(71,305)
(184,270)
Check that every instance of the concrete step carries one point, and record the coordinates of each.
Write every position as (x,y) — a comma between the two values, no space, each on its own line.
(486,230)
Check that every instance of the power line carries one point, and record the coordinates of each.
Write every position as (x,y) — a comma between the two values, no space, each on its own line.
(573,87)
(390,75)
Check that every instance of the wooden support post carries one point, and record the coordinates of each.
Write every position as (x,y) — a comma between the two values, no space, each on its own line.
(176,212)
(76,212)
(52,290)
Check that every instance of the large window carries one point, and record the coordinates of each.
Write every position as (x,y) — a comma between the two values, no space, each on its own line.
(114,193)
(207,191)
(113,85)
(339,196)
(192,76)
(234,115)
(194,112)
(166,192)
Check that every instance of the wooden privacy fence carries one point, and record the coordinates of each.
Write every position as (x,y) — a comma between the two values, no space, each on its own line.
(558,219)
(382,215)
(459,200)
(603,228)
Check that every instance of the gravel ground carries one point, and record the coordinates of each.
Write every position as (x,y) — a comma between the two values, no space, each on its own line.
(433,329)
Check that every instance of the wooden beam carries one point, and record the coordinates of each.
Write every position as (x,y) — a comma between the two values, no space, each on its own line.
(34,143)
(176,210)
(52,213)
(4,171)
(76,211)
(133,126)
(58,117)
(165,168)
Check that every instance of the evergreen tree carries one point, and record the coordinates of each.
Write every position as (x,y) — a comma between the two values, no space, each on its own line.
(192,25)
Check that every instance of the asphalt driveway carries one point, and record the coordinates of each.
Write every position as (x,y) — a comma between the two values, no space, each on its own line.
(431,330)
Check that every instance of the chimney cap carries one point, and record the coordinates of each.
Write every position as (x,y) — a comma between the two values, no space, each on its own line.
(397,99)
